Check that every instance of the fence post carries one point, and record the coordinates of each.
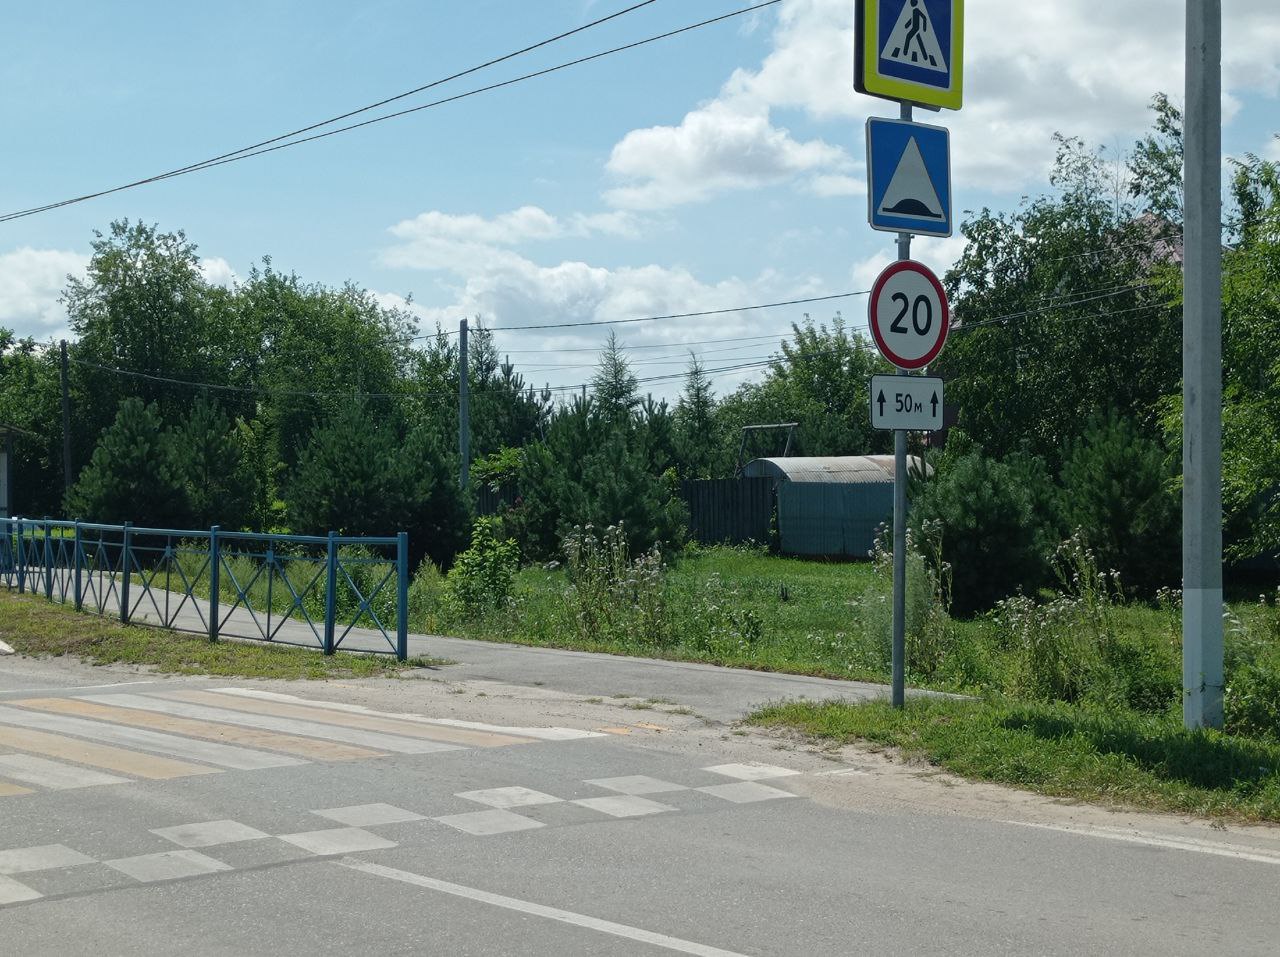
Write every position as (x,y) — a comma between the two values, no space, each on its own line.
(402,596)
(22,560)
(76,559)
(215,563)
(48,560)
(125,575)
(330,592)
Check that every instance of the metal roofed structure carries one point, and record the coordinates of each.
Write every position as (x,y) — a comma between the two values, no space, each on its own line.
(830,506)
(823,468)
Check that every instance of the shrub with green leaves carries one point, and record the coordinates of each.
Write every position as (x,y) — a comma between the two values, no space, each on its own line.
(1118,488)
(482,578)
(991,536)
(136,473)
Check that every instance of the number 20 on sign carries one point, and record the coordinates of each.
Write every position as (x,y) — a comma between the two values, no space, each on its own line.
(908,315)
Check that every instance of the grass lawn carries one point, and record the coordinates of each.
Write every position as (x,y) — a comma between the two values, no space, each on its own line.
(809,620)
(1114,757)
(34,626)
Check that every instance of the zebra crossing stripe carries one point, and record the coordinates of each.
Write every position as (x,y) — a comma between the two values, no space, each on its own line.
(219,755)
(316,711)
(249,737)
(51,774)
(370,739)
(135,763)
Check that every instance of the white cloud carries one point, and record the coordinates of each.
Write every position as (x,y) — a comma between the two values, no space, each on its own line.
(837,184)
(455,243)
(939,254)
(1272,152)
(218,272)
(1032,69)
(507,288)
(31,284)
(724,145)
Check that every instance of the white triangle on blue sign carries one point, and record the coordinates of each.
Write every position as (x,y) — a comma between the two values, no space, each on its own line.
(914,41)
(911,192)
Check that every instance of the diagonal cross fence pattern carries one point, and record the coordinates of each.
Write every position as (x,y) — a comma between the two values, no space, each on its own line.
(312,591)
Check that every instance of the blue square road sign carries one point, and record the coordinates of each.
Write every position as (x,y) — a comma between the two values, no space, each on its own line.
(908,177)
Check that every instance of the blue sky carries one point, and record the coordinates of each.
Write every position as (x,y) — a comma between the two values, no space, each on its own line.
(716,169)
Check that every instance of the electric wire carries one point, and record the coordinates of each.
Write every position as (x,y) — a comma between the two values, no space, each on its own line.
(250,152)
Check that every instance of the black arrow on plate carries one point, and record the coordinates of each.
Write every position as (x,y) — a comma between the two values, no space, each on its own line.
(934,403)
(881,401)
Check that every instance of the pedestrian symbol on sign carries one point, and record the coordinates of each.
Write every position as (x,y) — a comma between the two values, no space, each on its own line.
(914,41)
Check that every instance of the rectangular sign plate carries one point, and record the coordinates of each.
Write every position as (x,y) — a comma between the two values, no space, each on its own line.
(910,402)
(911,51)
(908,177)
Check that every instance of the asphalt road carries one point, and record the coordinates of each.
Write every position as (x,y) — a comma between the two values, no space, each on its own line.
(534,814)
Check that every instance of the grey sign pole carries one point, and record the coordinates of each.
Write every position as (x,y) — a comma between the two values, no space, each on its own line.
(464,409)
(1202,372)
(899,692)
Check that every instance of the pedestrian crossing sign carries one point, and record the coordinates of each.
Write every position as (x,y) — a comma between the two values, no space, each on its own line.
(911,50)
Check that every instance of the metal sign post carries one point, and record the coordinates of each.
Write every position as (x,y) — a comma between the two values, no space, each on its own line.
(911,51)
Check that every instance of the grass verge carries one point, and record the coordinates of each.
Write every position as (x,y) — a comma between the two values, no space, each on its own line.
(35,627)
(1114,758)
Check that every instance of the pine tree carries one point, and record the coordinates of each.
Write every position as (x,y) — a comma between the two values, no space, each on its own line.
(614,384)
(695,437)
(135,474)
(347,478)
(219,483)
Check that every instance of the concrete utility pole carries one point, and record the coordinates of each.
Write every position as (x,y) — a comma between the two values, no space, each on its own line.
(1202,372)
(899,676)
(66,422)
(464,409)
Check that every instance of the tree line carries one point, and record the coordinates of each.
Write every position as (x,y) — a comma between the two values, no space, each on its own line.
(282,404)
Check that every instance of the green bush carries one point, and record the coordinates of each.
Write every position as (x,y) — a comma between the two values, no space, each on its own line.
(483,577)
(136,473)
(991,537)
(1252,700)
(601,470)
(1117,487)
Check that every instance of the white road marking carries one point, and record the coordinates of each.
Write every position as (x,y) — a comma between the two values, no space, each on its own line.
(66,688)
(23,860)
(370,739)
(624,805)
(745,792)
(369,815)
(337,840)
(220,755)
(1195,845)
(540,910)
(509,797)
(53,774)
(752,771)
(167,866)
(11,892)
(543,734)
(484,823)
(636,784)
(209,833)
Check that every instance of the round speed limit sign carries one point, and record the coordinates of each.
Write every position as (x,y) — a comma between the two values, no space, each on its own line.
(908,315)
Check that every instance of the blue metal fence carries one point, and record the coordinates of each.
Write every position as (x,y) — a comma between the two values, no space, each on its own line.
(287,589)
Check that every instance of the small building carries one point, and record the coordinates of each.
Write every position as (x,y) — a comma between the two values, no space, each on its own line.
(830,505)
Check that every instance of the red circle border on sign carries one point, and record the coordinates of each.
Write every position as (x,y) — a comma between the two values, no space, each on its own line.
(909,265)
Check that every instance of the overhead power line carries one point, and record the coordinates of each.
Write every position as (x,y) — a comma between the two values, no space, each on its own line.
(274,144)
(675,315)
